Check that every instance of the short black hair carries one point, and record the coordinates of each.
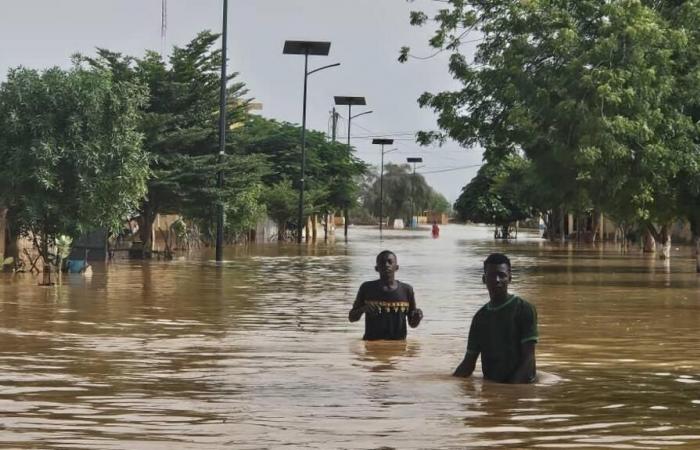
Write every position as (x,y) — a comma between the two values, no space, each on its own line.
(386,253)
(497,258)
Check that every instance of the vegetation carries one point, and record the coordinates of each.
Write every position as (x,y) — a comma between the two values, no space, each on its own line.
(331,171)
(600,99)
(404,194)
(71,152)
(493,197)
(120,137)
(179,123)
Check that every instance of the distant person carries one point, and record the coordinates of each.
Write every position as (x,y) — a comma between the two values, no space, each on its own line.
(386,303)
(503,332)
(436,230)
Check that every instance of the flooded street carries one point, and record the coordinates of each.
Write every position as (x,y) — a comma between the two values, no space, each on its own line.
(258,354)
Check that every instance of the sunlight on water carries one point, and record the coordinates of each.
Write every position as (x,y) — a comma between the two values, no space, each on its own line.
(258,352)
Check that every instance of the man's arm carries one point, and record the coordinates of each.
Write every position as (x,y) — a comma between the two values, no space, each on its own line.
(466,367)
(415,315)
(360,307)
(525,372)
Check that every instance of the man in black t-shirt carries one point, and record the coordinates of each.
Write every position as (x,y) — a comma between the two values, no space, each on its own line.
(504,331)
(386,303)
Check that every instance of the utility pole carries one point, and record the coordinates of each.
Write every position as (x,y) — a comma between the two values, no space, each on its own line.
(334,132)
(413,186)
(334,122)
(350,100)
(381,142)
(220,219)
(305,48)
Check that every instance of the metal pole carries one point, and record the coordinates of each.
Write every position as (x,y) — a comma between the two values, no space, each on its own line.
(222,139)
(346,217)
(413,193)
(303,151)
(334,121)
(381,194)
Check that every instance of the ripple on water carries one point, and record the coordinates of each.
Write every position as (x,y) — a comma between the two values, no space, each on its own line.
(258,353)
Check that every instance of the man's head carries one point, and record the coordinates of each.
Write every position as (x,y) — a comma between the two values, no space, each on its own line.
(497,275)
(387,264)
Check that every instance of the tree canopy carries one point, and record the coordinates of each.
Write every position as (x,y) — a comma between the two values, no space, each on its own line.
(599,97)
(404,193)
(492,195)
(71,151)
(180,127)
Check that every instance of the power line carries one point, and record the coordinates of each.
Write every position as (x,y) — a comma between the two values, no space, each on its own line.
(451,169)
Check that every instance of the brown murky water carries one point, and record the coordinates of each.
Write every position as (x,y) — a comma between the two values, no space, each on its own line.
(259,353)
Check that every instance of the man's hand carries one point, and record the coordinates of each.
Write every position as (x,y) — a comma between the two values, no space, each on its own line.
(415,317)
(466,367)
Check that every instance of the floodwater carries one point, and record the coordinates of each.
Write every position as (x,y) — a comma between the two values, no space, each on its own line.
(259,353)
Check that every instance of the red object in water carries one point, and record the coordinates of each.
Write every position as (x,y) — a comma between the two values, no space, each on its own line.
(436,231)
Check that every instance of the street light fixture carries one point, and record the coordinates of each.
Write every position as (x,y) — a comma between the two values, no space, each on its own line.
(305,48)
(381,142)
(413,160)
(349,100)
(222,138)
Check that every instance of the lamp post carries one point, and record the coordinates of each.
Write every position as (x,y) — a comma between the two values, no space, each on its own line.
(222,138)
(348,100)
(305,48)
(381,142)
(413,183)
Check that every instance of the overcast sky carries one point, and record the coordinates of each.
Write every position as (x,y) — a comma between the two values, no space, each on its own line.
(365,37)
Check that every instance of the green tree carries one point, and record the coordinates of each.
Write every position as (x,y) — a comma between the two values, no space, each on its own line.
(331,171)
(685,17)
(404,193)
(490,196)
(180,125)
(281,201)
(71,152)
(586,90)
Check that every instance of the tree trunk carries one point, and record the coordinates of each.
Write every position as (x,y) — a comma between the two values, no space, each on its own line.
(314,223)
(551,224)
(695,231)
(504,232)
(649,242)
(44,250)
(11,245)
(3,227)
(666,242)
(561,222)
(579,228)
(306,228)
(281,231)
(346,221)
(595,224)
(148,216)
(325,226)
(622,229)
(663,239)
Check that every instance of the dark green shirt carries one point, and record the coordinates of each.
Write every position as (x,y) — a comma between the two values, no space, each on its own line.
(394,304)
(497,333)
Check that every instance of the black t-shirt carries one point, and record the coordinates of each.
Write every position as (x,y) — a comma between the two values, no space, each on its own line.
(395,305)
(497,334)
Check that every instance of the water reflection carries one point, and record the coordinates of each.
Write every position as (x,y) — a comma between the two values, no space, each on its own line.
(257,352)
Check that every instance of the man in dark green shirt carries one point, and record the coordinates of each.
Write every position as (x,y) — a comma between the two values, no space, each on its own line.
(503,332)
(386,303)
